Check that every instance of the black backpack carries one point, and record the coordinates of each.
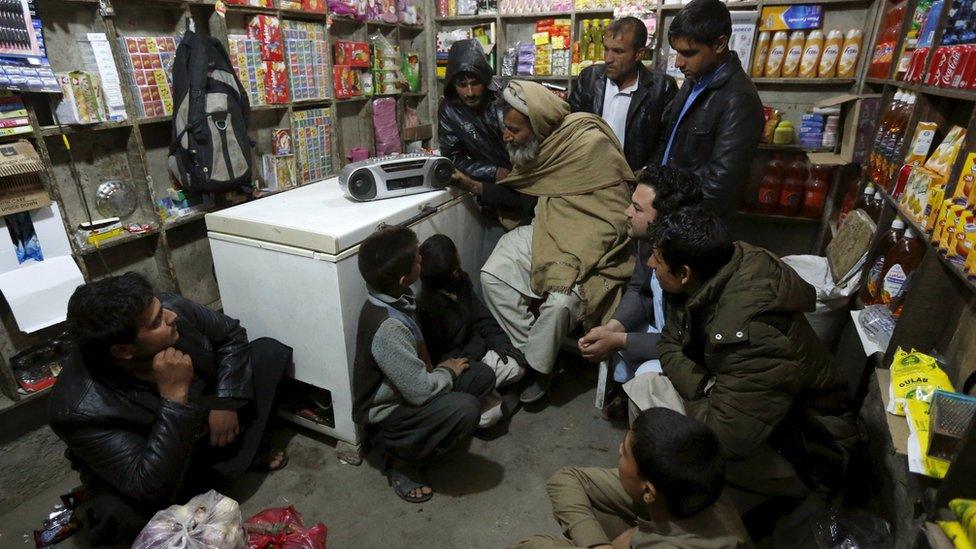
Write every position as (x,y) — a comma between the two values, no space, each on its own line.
(211,150)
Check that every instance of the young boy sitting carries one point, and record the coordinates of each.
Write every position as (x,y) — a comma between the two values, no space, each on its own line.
(411,408)
(456,324)
(664,492)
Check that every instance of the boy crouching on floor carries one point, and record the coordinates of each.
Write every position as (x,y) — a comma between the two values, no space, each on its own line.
(411,409)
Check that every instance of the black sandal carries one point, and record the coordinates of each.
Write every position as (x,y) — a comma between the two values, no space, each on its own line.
(403,485)
(262,462)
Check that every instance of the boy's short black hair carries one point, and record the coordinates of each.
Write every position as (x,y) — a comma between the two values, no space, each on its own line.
(386,256)
(681,457)
(673,189)
(439,261)
(106,312)
(632,25)
(702,21)
(695,237)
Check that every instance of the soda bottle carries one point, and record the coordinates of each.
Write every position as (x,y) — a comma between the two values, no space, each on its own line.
(791,192)
(815,191)
(770,186)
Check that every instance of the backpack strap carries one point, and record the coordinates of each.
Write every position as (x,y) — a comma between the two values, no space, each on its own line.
(198,67)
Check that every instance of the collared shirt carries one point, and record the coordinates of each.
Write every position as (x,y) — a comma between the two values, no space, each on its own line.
(616,103)
(696,89)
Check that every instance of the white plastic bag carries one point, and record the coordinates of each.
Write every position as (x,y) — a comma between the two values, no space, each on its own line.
(208,521)
(832,297)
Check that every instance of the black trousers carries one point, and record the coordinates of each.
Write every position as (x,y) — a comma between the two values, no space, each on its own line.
(413,433)
(110,517)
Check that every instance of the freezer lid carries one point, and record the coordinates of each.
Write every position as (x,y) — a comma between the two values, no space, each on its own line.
(319,217)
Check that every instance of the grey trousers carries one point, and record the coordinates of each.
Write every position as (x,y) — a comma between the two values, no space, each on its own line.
(508,294)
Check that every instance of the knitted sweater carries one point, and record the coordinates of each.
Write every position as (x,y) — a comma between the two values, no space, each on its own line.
(389,369)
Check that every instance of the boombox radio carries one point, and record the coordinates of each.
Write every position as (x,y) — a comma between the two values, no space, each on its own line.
(396,175)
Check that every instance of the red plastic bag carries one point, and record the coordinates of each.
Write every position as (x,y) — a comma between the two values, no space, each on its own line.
(282,528)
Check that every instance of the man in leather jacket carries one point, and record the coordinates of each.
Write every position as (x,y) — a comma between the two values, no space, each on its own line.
(625,93)
(715,122)
(161,398)
(469,130)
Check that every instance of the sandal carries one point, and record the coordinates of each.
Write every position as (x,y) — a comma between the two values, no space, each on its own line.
(263,462)
(403,485)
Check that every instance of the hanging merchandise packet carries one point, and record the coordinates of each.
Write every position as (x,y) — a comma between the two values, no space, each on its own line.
(916,376)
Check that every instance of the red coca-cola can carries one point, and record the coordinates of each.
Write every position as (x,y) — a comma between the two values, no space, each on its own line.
(969,76)
(938,66)
(954,67)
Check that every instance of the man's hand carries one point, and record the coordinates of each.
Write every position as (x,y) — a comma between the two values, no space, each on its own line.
(600,342)
(223,427)
(462,181)
(456,365)
(623,540)
(173,372)
(500,173)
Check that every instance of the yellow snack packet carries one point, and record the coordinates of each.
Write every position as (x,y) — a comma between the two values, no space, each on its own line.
(917,413)
(954,531)
(916,376)
(965,510)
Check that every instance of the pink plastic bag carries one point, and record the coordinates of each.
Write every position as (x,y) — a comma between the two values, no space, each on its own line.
(385,126)
(282,528)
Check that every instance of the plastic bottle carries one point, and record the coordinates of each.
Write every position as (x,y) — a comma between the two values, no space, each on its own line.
(771,185)
(585,40)
(866,198)
(901,261)
(812,49)
(876,205)
(884,123)
(849,54)
(777,51)
(762,52)
(791,192)
(815,191)
(891,147)
(794,52)
(831,53)
(869,293)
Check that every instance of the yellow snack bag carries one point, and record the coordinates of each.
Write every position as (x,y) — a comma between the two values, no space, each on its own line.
(917,413)
(916,376)
(954,531)
(945,154)
(965,510)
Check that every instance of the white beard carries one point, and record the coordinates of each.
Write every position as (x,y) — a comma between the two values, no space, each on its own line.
(523,155)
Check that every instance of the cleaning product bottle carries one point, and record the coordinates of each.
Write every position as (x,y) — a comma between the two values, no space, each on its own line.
(762,52)
(794,52)
(811,54)
(770,186)
(830,55)
(585,40)
(902,260)
(791,193)
(869,292)
(777,51)
(849,54)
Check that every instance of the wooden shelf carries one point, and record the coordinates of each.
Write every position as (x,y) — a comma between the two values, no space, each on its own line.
(461,19)
(776,217)
(803,81)
(49,131)
(953,93)
(124,238)
(146,120)
(793,147)
(541,15)
(173,222)
(7,404)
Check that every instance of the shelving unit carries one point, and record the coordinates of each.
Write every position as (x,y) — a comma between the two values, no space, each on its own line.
(174,254)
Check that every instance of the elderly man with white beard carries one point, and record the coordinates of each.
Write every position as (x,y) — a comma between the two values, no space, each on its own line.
(574,257)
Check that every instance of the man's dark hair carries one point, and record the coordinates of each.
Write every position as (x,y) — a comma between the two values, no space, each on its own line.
(385,256)
(695,237)
(632,25)
(106,312)
(681,457)
(439,261)
(702,21)
(673,189)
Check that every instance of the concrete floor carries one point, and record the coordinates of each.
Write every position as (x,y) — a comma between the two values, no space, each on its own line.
(489,497)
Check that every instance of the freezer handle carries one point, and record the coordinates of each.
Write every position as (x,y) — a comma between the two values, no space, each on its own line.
(426,211)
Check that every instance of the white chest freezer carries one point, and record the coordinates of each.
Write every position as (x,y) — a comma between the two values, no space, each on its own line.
(286,268)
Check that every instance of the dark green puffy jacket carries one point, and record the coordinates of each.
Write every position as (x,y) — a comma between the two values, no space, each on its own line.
(774,382)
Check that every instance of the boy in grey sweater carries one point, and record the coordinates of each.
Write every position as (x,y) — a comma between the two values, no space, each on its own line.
(411,408)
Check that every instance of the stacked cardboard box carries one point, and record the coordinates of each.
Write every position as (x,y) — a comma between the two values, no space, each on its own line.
(245,55)
(307,50)
(148,69)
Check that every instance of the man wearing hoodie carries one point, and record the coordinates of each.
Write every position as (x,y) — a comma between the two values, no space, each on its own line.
(469,129)
(739,355)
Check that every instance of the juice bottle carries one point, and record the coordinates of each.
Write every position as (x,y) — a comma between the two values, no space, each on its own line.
(867,197)
(771,185)
(830,55)
(595,38)
(585,40)
(815,191)
(876,205)
(891,148)
(849,54)
(811,54)
(794,52)
(762,52)
(777,51)
(902,260)
(791,192)
(869,292)
(883,123)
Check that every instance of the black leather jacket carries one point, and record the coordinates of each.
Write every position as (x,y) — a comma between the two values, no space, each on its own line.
(644,128)
(123,436)
(719,134)
(472,138)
